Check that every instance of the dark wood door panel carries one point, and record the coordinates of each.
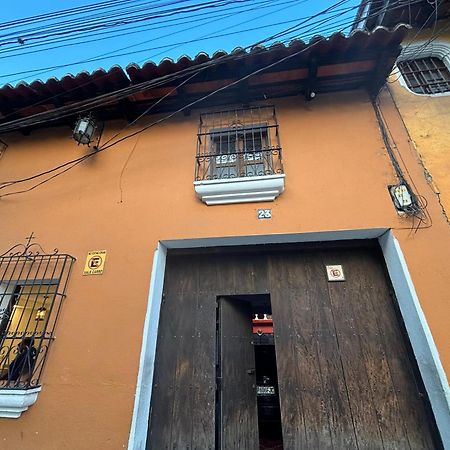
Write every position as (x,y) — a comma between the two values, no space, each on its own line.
(239,417)
(347,378)
(184,367)
(340,346)
(307,357)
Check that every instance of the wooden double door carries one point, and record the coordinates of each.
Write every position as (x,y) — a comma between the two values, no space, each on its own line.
(347,378)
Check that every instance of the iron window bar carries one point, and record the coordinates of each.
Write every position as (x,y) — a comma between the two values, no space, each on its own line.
(241,142)
(426,75)
(32,289)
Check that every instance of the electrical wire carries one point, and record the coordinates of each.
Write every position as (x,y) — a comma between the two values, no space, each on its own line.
(113,54)
(418,208)
(174,21)
(109,97)
(82,15)
(68,165)
(107,20)
(87,83)
(122,21)
(18,50)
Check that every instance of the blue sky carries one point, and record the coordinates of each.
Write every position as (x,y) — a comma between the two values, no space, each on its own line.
(233,25)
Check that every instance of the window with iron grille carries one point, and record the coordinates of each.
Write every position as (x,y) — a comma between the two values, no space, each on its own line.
(32,289)
(238,143)
(426,75)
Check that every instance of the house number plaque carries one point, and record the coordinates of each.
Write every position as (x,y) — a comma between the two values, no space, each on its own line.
(335,273)
(264,214)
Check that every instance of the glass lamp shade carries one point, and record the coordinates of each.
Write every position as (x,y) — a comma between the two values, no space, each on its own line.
(84,130)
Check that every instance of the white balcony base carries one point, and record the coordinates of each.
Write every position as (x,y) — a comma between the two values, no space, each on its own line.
(13,402)
(240,190)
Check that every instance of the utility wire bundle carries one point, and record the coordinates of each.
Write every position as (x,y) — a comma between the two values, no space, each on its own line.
(314,22)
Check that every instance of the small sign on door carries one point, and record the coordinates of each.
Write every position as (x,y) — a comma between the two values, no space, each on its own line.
(335,273)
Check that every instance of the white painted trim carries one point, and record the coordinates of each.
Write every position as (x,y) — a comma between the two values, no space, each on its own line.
(143,396)
(423,49)
(419,333)
(13,402)
(421,340)
(265,188)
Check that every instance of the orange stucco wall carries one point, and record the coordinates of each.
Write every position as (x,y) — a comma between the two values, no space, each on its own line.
(337,172)
(427,118)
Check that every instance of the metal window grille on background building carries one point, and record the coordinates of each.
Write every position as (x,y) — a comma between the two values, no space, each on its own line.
(426,75)
(238,143)
(32,289)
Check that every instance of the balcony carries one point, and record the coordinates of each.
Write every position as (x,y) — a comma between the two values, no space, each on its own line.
(239,157)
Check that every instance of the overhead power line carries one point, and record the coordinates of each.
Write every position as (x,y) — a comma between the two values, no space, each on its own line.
(115,54)
(122,93)
(87,25)
(65,167)
(165,23)
(107,98)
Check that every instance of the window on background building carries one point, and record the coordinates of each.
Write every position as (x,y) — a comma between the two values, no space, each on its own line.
(425,75)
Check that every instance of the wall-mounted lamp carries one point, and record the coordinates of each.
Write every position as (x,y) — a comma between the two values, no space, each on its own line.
(40,313)
(84,130)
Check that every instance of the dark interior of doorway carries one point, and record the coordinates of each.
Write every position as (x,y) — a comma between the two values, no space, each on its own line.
(269,417)
(267,394)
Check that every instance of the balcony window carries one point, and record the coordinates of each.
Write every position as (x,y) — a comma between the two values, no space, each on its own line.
(425,75)
(32,289)
(239,156)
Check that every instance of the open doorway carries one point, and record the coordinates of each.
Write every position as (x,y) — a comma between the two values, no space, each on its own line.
(246,375)
(267,392)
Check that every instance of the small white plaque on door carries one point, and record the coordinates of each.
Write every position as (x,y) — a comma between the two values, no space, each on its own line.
(335,273)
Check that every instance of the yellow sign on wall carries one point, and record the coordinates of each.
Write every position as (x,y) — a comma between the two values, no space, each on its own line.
(95,262)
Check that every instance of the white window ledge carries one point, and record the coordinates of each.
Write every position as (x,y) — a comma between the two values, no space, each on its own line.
(13,402)
(240,190)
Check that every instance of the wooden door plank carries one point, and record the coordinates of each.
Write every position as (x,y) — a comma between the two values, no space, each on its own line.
(239,414)
(292,311)
(163,382)
(242,274)
(172,425)
(202,409)
(355,293)
(410,400)
(336,398)
(364,414)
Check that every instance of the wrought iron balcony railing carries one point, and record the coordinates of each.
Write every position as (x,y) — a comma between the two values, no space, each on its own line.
(238,143)
(213,166)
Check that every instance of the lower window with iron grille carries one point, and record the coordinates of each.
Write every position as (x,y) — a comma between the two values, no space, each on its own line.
(32,289)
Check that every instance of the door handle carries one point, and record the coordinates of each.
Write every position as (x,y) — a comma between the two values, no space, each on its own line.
(250,371)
